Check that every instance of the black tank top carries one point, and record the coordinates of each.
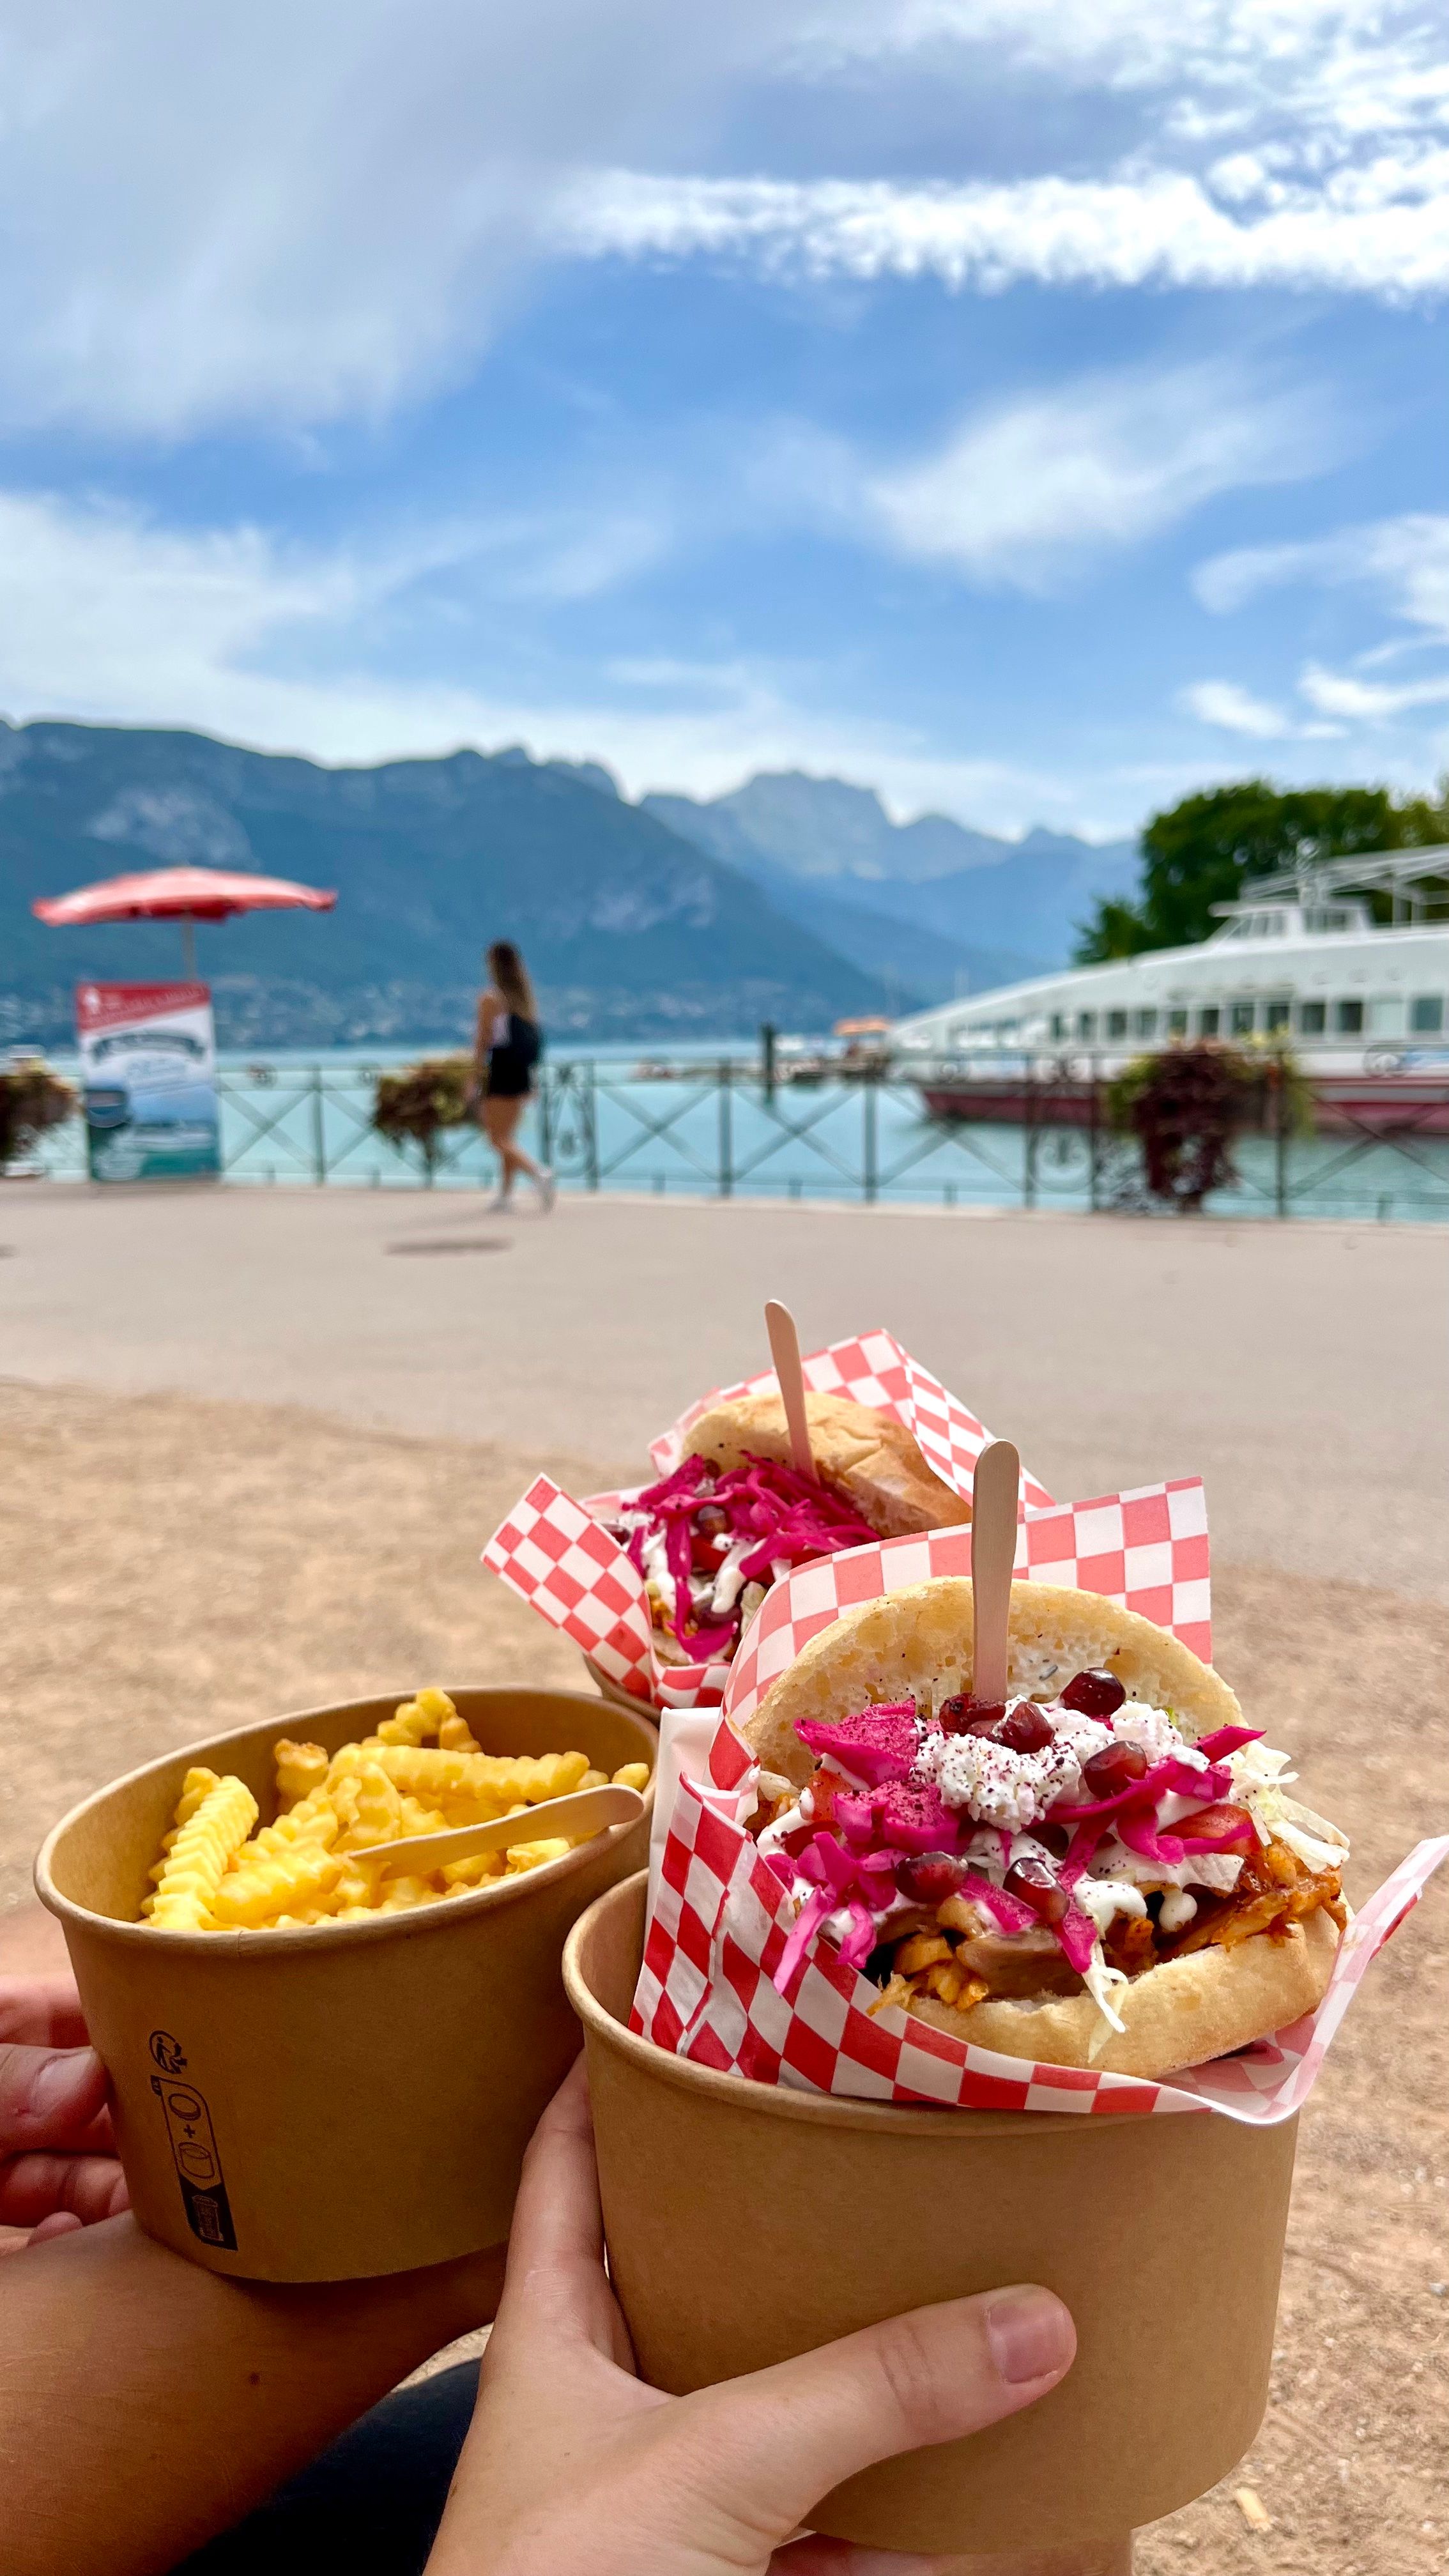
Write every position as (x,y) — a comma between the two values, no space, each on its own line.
(512,1058)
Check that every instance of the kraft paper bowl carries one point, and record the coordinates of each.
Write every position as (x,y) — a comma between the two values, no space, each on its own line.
(354,2098)
(747,2222)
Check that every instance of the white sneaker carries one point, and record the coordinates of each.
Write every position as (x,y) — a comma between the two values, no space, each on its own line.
(499,1204)
(547,1192)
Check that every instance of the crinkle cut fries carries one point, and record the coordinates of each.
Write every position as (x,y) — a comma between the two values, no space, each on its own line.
(422,1771)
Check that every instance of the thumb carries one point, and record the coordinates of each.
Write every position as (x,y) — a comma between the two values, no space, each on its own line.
(768,2447)
(48,2097)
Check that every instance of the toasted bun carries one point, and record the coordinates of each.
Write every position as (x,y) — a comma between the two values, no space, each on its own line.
(869,1457)
(917,1643)
(1181,2014)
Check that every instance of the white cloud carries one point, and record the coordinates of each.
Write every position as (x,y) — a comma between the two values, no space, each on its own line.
(1313,81)
(1337,693)
(1223,703)
(1278,143)
(1403,562)
(1161,228)
(107,618)
(294,212)
(1022,494)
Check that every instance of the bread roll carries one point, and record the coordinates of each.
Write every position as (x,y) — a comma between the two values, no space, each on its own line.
(868,1457)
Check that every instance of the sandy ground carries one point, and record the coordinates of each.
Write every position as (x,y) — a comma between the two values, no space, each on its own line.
(169,1566)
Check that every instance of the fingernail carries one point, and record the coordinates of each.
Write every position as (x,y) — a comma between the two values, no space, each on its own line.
(1030,2334)
(59,2081)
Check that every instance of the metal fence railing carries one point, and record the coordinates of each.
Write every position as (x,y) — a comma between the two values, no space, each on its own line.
(1014,1132)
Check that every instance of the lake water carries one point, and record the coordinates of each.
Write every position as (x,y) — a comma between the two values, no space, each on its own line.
(290,1118)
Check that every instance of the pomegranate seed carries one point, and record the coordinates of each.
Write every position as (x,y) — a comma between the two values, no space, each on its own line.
(1114,1768)
(1094,1694)
(963,1715)
(931,1877)
(1033,1882)
(1025,1730)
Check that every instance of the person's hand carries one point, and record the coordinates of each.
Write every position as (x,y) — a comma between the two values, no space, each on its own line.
(572,2463)
(58,2167)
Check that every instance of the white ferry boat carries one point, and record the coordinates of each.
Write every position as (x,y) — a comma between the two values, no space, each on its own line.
(1299,958)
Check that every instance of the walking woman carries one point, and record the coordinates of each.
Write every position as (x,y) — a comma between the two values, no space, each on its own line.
(507,1048)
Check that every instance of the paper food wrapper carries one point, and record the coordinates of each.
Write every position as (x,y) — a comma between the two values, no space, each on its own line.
(553,1550)
(719,1918)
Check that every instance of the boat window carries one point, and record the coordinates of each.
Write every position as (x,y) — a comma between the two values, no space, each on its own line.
(1086,1026)
(1177,1024)
(1242,1019)
(1116,1024)
(1312,1019)
(1279,1014)
(1426,1014)
(1348,1019)
(1209,1021)
(1059,1024)
(1146,1024)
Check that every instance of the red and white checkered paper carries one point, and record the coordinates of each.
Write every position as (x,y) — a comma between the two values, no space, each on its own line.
(719,1929)
(719,1918)
(552,1550)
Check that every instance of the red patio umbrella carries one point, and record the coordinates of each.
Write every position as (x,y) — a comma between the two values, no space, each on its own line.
(187,895)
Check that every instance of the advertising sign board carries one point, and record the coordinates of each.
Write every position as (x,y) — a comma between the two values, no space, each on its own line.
(148,1067)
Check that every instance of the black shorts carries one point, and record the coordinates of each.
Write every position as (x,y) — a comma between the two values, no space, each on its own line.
(372,2503)
(510,1074)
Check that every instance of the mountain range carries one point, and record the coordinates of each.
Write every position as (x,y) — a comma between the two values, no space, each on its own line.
(794,899)
(930,904)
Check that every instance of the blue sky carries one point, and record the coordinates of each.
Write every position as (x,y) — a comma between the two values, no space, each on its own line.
(1033,408)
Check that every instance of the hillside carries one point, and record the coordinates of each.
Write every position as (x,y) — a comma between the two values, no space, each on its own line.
(630,930)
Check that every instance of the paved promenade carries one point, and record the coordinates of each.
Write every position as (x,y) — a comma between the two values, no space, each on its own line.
(1300,1367)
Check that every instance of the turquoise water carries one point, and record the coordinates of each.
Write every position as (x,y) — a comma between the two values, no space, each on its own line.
(292,1118)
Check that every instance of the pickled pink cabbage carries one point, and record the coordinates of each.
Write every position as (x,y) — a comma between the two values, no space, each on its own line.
(1228,1739)
(855,1815)
(812,1912)
(1143,1835)
(1008,1911)
(1138,1793)
(1081,1852)
(1210,1785)
(877,1745)
(859,1941)
(837,1864)
(775,1511)
(1077,1934)
(915,1818)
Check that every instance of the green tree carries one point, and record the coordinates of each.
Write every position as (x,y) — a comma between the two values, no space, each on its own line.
(1206,849)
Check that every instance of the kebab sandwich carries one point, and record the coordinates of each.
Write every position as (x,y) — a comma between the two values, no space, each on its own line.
(735,1516)
(1105,1869)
